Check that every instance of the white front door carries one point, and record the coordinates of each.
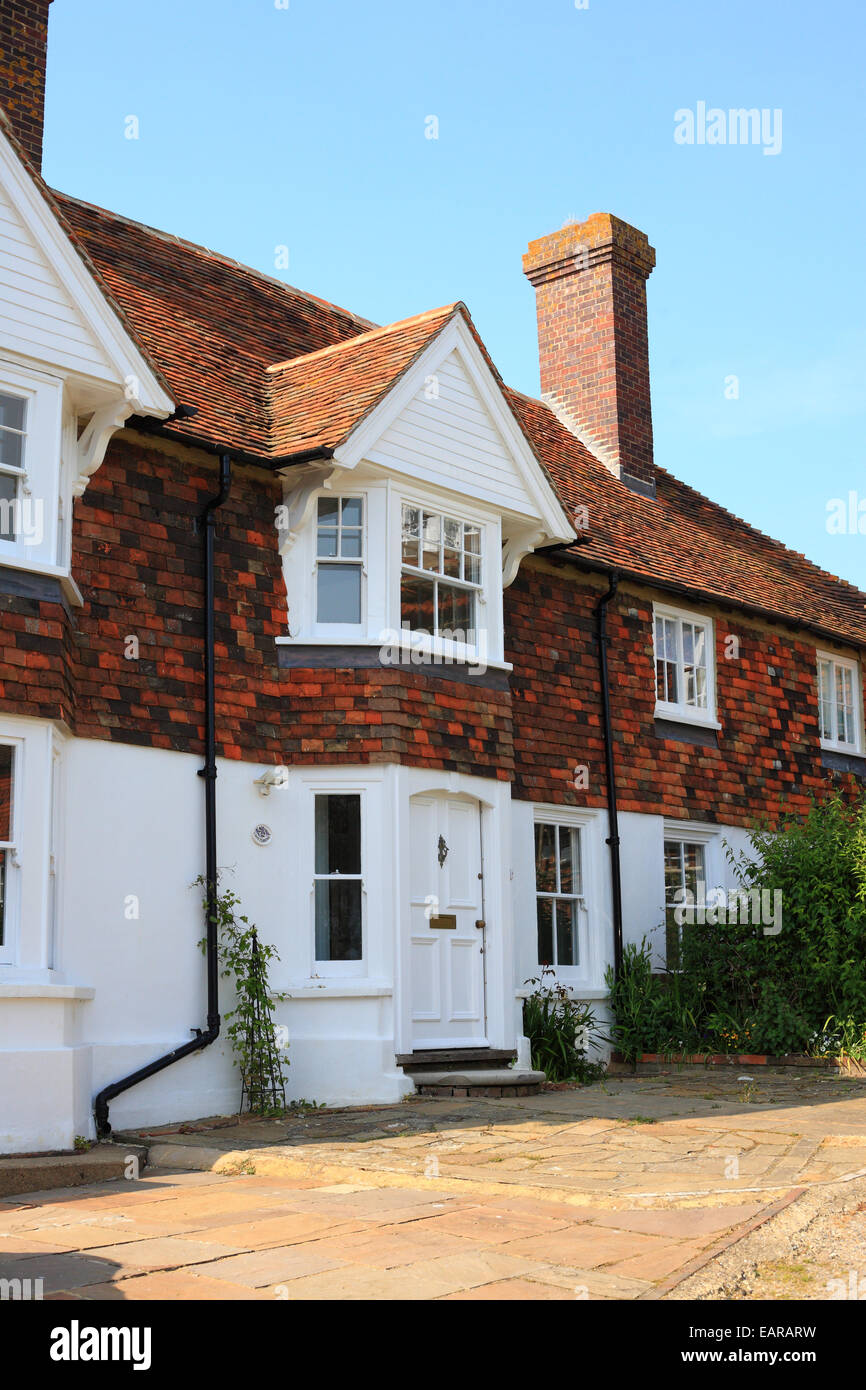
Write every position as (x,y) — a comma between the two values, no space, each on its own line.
(447,928)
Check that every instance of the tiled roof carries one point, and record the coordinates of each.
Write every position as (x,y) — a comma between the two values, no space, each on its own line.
(213,326)
(274,371)
(681,539)
(318,399)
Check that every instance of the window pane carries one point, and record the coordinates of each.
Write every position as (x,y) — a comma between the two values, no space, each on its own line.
(545,931)
(326,542)
(457,612)
(339,594)
(329,511)
(338,834)
(350,545)
(845,704)
(8,494)
(693,862)
(411,533)
(11,449)
(6,759)
(545,858)
(430,542)
(825,682)
(352,511)
(566,945)
(338,919)
(12,412)
(569,860)
(673,869)
(417,598)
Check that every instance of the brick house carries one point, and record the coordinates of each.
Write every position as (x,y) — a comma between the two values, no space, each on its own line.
(473,682)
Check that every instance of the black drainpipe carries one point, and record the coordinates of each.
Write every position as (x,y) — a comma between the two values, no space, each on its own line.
(612,815)
(202,1039)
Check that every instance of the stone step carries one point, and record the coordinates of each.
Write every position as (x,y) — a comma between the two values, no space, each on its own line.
(474,1058)
(493,1082)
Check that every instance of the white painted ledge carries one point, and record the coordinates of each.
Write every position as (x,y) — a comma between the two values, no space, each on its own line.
(694,721)
(12,991)
(339,989)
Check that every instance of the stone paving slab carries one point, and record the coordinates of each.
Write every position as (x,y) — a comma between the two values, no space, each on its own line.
(609,1192)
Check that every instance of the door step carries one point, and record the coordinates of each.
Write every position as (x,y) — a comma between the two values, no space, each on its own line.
(496,1084)
(466,1058)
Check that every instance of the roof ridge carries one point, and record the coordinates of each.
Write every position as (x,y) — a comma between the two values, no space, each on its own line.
(219,256)
(379,331)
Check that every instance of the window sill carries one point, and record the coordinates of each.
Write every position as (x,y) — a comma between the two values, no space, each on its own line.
(68,586)
(676,716)
(338,989)
(46,991)
(838,761)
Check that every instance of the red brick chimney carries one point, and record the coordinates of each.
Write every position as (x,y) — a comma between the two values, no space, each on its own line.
(590,286)
(23,51)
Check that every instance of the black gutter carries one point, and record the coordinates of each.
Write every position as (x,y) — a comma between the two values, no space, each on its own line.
(564,551)
(203,1038)
(149,424)
(613,839)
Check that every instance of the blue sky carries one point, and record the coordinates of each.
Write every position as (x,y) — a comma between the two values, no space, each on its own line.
(262,126)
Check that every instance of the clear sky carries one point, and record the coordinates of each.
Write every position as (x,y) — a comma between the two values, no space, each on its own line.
(302,125)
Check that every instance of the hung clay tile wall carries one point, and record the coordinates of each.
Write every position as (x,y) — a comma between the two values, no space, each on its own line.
(768,757)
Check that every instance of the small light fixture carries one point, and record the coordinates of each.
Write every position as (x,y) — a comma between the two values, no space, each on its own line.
(272,777)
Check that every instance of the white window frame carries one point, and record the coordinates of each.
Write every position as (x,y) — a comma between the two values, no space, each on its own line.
(834,744)
(678,710)
(709,837)
(39,488)
(592,921)
(487,649)
(340,631)
(383,499)
(339,969)
(12,849)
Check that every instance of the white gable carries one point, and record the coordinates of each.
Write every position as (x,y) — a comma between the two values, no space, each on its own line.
(446,436)
(37,315)
(53,311)
(446,423)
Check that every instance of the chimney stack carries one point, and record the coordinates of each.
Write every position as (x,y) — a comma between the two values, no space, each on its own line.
(23,53)
(590,285)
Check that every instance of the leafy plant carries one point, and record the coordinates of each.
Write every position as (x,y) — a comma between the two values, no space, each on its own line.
(739,989)
(250,1026)
(561,1031)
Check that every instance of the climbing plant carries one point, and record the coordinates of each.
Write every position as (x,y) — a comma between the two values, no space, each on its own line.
(258,1049)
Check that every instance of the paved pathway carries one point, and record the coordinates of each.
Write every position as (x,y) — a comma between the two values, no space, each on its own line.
(616,1191)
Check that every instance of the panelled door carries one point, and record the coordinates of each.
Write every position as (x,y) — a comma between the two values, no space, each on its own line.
(447,927)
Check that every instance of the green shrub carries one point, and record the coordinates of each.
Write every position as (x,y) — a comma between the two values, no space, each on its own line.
(741,990)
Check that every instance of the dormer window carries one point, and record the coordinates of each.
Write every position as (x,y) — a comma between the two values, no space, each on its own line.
(12,435)
(440,579)
(339,559)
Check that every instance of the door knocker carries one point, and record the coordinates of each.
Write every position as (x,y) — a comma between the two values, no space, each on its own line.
(443,852)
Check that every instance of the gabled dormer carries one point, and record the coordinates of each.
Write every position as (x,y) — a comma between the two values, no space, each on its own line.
(419,496)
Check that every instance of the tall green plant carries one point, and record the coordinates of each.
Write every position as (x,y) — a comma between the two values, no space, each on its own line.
(250,1024)
(561,1031)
